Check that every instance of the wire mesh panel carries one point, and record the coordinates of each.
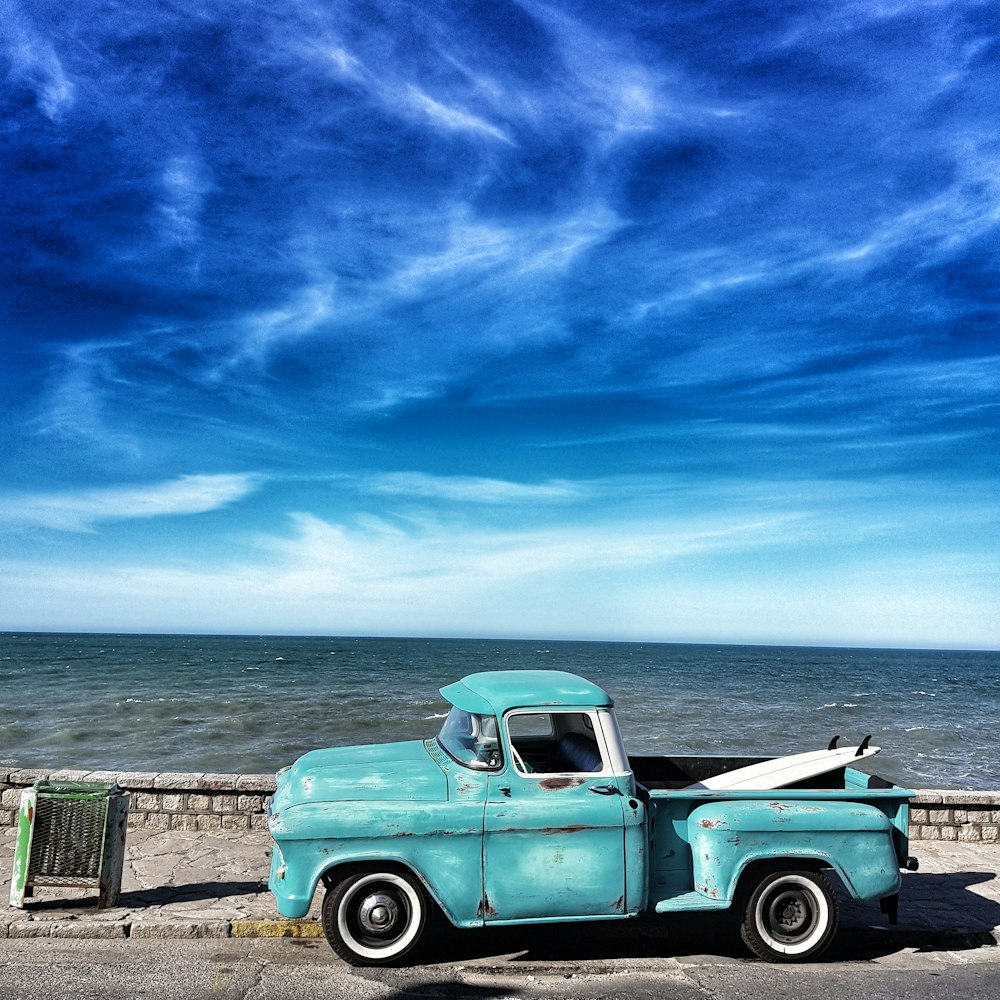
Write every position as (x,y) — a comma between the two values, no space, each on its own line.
(68,840)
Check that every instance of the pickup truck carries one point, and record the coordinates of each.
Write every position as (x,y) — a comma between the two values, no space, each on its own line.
(526,808)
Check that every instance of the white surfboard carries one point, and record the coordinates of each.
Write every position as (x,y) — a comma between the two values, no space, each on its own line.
(784,771)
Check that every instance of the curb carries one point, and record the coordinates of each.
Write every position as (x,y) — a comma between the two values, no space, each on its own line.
(305,929)
(177,930)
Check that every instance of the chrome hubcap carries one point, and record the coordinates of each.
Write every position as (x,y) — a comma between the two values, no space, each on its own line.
(378,913)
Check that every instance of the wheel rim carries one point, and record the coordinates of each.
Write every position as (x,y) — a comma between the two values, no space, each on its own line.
(792,915)
(379,916)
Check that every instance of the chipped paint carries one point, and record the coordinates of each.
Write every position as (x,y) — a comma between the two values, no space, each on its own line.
(556,784)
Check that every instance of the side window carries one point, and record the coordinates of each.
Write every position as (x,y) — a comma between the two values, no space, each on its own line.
(554,743)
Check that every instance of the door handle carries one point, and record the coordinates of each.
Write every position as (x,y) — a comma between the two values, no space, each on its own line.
(605,789)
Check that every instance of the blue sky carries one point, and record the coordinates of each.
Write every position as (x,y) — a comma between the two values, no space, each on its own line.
(659,321)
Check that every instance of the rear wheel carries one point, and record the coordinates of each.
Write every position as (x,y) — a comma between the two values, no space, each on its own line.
(790,916)
(374,918)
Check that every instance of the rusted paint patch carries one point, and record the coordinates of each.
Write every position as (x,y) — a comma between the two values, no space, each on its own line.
(618,904)
(710,824)
(555,784)
(550,831)
(490,911)
(711,891)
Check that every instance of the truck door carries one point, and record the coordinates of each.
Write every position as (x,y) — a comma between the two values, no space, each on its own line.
(553,844)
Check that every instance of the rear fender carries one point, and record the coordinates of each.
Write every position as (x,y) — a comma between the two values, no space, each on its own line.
(853,839)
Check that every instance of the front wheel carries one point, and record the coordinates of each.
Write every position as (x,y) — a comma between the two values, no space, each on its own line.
(790,916)
(374,918)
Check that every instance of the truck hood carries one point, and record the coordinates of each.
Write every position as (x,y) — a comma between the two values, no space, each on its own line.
(381,772)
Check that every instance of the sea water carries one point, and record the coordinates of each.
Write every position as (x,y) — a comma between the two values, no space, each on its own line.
(255,703)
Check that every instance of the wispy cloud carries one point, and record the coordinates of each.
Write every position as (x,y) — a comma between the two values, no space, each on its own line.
(82,510)
(35,63)
(473,489)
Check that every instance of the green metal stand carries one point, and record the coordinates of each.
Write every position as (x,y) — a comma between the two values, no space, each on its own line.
(70,833)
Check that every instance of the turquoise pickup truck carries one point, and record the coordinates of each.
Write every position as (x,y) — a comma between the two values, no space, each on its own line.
(526,808)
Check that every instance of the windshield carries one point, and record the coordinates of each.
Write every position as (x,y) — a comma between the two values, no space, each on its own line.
(471,739)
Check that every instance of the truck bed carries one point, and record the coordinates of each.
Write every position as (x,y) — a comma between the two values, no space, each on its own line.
(671,773)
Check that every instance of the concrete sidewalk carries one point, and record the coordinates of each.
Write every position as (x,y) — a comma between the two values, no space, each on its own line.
(189,884)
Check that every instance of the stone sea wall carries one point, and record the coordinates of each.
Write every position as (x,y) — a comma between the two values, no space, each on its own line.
(170,801)
(166,801)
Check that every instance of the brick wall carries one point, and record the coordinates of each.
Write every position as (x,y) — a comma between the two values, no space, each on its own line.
(171,801)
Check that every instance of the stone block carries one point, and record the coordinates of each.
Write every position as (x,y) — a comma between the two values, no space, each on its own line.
(221,782)
(224,803)
(931,832)
(918,815)
(11,799)
(276,929)
(199,803)
(926,796)
(256,783)
(960,815)
(145,802)
(939,816)
(235,821)
(136,780)
(8,817)
(136,820)
(949,833)
(105,777)
(157,821)
(172,803)
(208,821)
(251,803)
(69,774)
(180,929)
(27,775)
(174,781)
(104,929)
(29,928)
(990,832)
(258,822)
(969,834)
(183,821)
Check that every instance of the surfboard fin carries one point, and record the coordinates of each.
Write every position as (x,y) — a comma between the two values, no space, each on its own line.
(833,743)
(864,745)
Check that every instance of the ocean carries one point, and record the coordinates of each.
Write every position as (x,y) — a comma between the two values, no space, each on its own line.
(255,703)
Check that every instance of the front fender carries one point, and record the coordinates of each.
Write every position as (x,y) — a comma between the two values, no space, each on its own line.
(854,839)
(441,843)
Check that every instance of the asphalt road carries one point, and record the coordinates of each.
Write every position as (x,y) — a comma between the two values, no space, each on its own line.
(234,969)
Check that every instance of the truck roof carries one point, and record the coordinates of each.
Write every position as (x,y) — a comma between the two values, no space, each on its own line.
(494,692)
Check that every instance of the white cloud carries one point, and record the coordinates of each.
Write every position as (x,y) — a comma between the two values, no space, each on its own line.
(80,511)
(473,489)
(34,62)
(184,187)
(451,118)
